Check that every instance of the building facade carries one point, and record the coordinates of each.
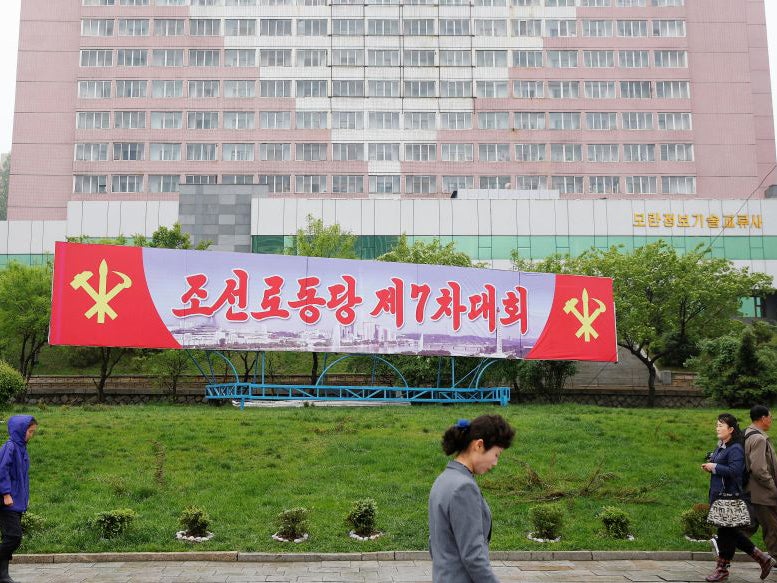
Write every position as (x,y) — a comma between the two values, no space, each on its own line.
(124,100)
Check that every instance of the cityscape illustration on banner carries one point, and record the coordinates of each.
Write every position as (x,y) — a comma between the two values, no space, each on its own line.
(105,295)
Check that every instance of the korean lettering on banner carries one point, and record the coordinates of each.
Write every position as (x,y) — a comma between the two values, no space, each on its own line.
(711,221)
(448,302)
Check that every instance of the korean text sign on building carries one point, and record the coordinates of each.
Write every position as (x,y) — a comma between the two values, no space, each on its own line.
(106,295)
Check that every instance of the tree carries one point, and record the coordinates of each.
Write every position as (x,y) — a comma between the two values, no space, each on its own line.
(25,311)
(662,296)
(434,253)
(5,179)
(168,366)
(172,238)
(317,240)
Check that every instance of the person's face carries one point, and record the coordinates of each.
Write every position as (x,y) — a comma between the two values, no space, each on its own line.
(483,460)
(30,432)
(766,421)
(723,431)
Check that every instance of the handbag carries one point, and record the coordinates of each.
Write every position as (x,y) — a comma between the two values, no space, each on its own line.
(729,510)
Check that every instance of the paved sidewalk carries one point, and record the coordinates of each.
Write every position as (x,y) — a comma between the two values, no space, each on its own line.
(371,572)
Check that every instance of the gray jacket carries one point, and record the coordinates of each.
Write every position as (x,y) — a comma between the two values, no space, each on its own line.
(459,529)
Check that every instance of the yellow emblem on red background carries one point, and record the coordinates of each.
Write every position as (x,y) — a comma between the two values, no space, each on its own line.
(102,296)
(587,318)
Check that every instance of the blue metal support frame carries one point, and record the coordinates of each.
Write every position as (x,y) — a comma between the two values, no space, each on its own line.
(467,389)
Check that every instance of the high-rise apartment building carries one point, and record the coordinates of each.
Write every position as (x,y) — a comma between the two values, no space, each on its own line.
(124,100)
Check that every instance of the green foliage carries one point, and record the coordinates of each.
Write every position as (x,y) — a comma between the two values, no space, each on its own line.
(11,383)
(292,523)
(739,369)
(316,240)
(25,310)
(617,523)
(32,523)
(172,238)
(362,516)
(547,520)
(694,522)
(194,521)
(5,178)
(114,522)
(434,253)
(168,366)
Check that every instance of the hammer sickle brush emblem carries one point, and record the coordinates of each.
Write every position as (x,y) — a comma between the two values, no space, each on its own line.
(102,297)
(587,318)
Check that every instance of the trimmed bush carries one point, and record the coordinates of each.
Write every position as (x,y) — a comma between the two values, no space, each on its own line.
(361,518)
(32,523)
(11,383)
(694,522)
(547,520)
(194,521)
(617,523)
(292,523)
(114,522)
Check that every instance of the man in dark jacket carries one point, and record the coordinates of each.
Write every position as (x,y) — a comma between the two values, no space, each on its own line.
(14,487)
(762,463)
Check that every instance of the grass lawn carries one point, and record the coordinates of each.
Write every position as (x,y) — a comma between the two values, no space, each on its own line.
(243,467)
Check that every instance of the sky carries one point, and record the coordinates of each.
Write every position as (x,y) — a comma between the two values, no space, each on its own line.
(9,40)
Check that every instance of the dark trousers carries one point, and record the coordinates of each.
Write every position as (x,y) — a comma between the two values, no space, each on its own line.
(11,527)
(731,539)
(766,518)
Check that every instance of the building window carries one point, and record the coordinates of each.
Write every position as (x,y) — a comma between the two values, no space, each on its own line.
(347,27)
(133,26)
(347,88)
(636,90)
(678,184)
(91,152)
(634,59)
(599,59)
(677,152)
(348,120)
(275,120)
(632,28)
(131,57)
(96,58)
(420,89)
(673,89)
(346,184)
(169,27)
(639,152)
(275,27)
(383,88)
(247,58)
(128,151)
(97,27)
(637,120)
(94,89)
(165,152)
(456,120)
(560,28)
(127,183)
(566,152)
(131,89)
(240,179)
(133,2)
(276,183)
(564,120)
(671,59)
(562,59)
(97,2)
(600,89)
(530,152)
(311,152)
(167,58)
(237,152)
(203,120)
(384,184)
(418,26)
(348,152)
(420,184)
(451,183)
(205,27)
(201,179)
(201,152)
(669,28)
(454,27)
(527,27)
(641,185)
(311,58)
(208,88)
(312,27)
(495,182)
(382,152)
(490,27)
(349,58)
(166,89)
(238,120)
(275,152)
(420,152)
(89,184)
(382,58)
(567,184)
(419,58)
(92,120)
(531,182)
(563,89)
(239,89)
(166,120)
(601,120)
(311,184)
(164,183)
(204,57)
(129,120)
(604,184)
(281,88)
(528,89)
(665,3)
(457,58)
(597,28)
(493,120)
(603,153)
(528,59)
(457,153)
(305,88)
(596,3)
(674,121)
(494,152)
(240,27)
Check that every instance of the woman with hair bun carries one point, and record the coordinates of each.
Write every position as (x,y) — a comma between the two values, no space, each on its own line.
(459,517)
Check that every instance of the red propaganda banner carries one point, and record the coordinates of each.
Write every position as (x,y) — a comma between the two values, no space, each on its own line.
(106,295)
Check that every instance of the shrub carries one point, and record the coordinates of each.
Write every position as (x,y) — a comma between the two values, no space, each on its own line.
(32,523)
(362,517)
(617,523)
(694,522)
(11,382)
(194,521)
(547,520)
(114,522)
(292,523)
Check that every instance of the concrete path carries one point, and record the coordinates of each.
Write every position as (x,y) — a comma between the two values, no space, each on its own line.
(619,571)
